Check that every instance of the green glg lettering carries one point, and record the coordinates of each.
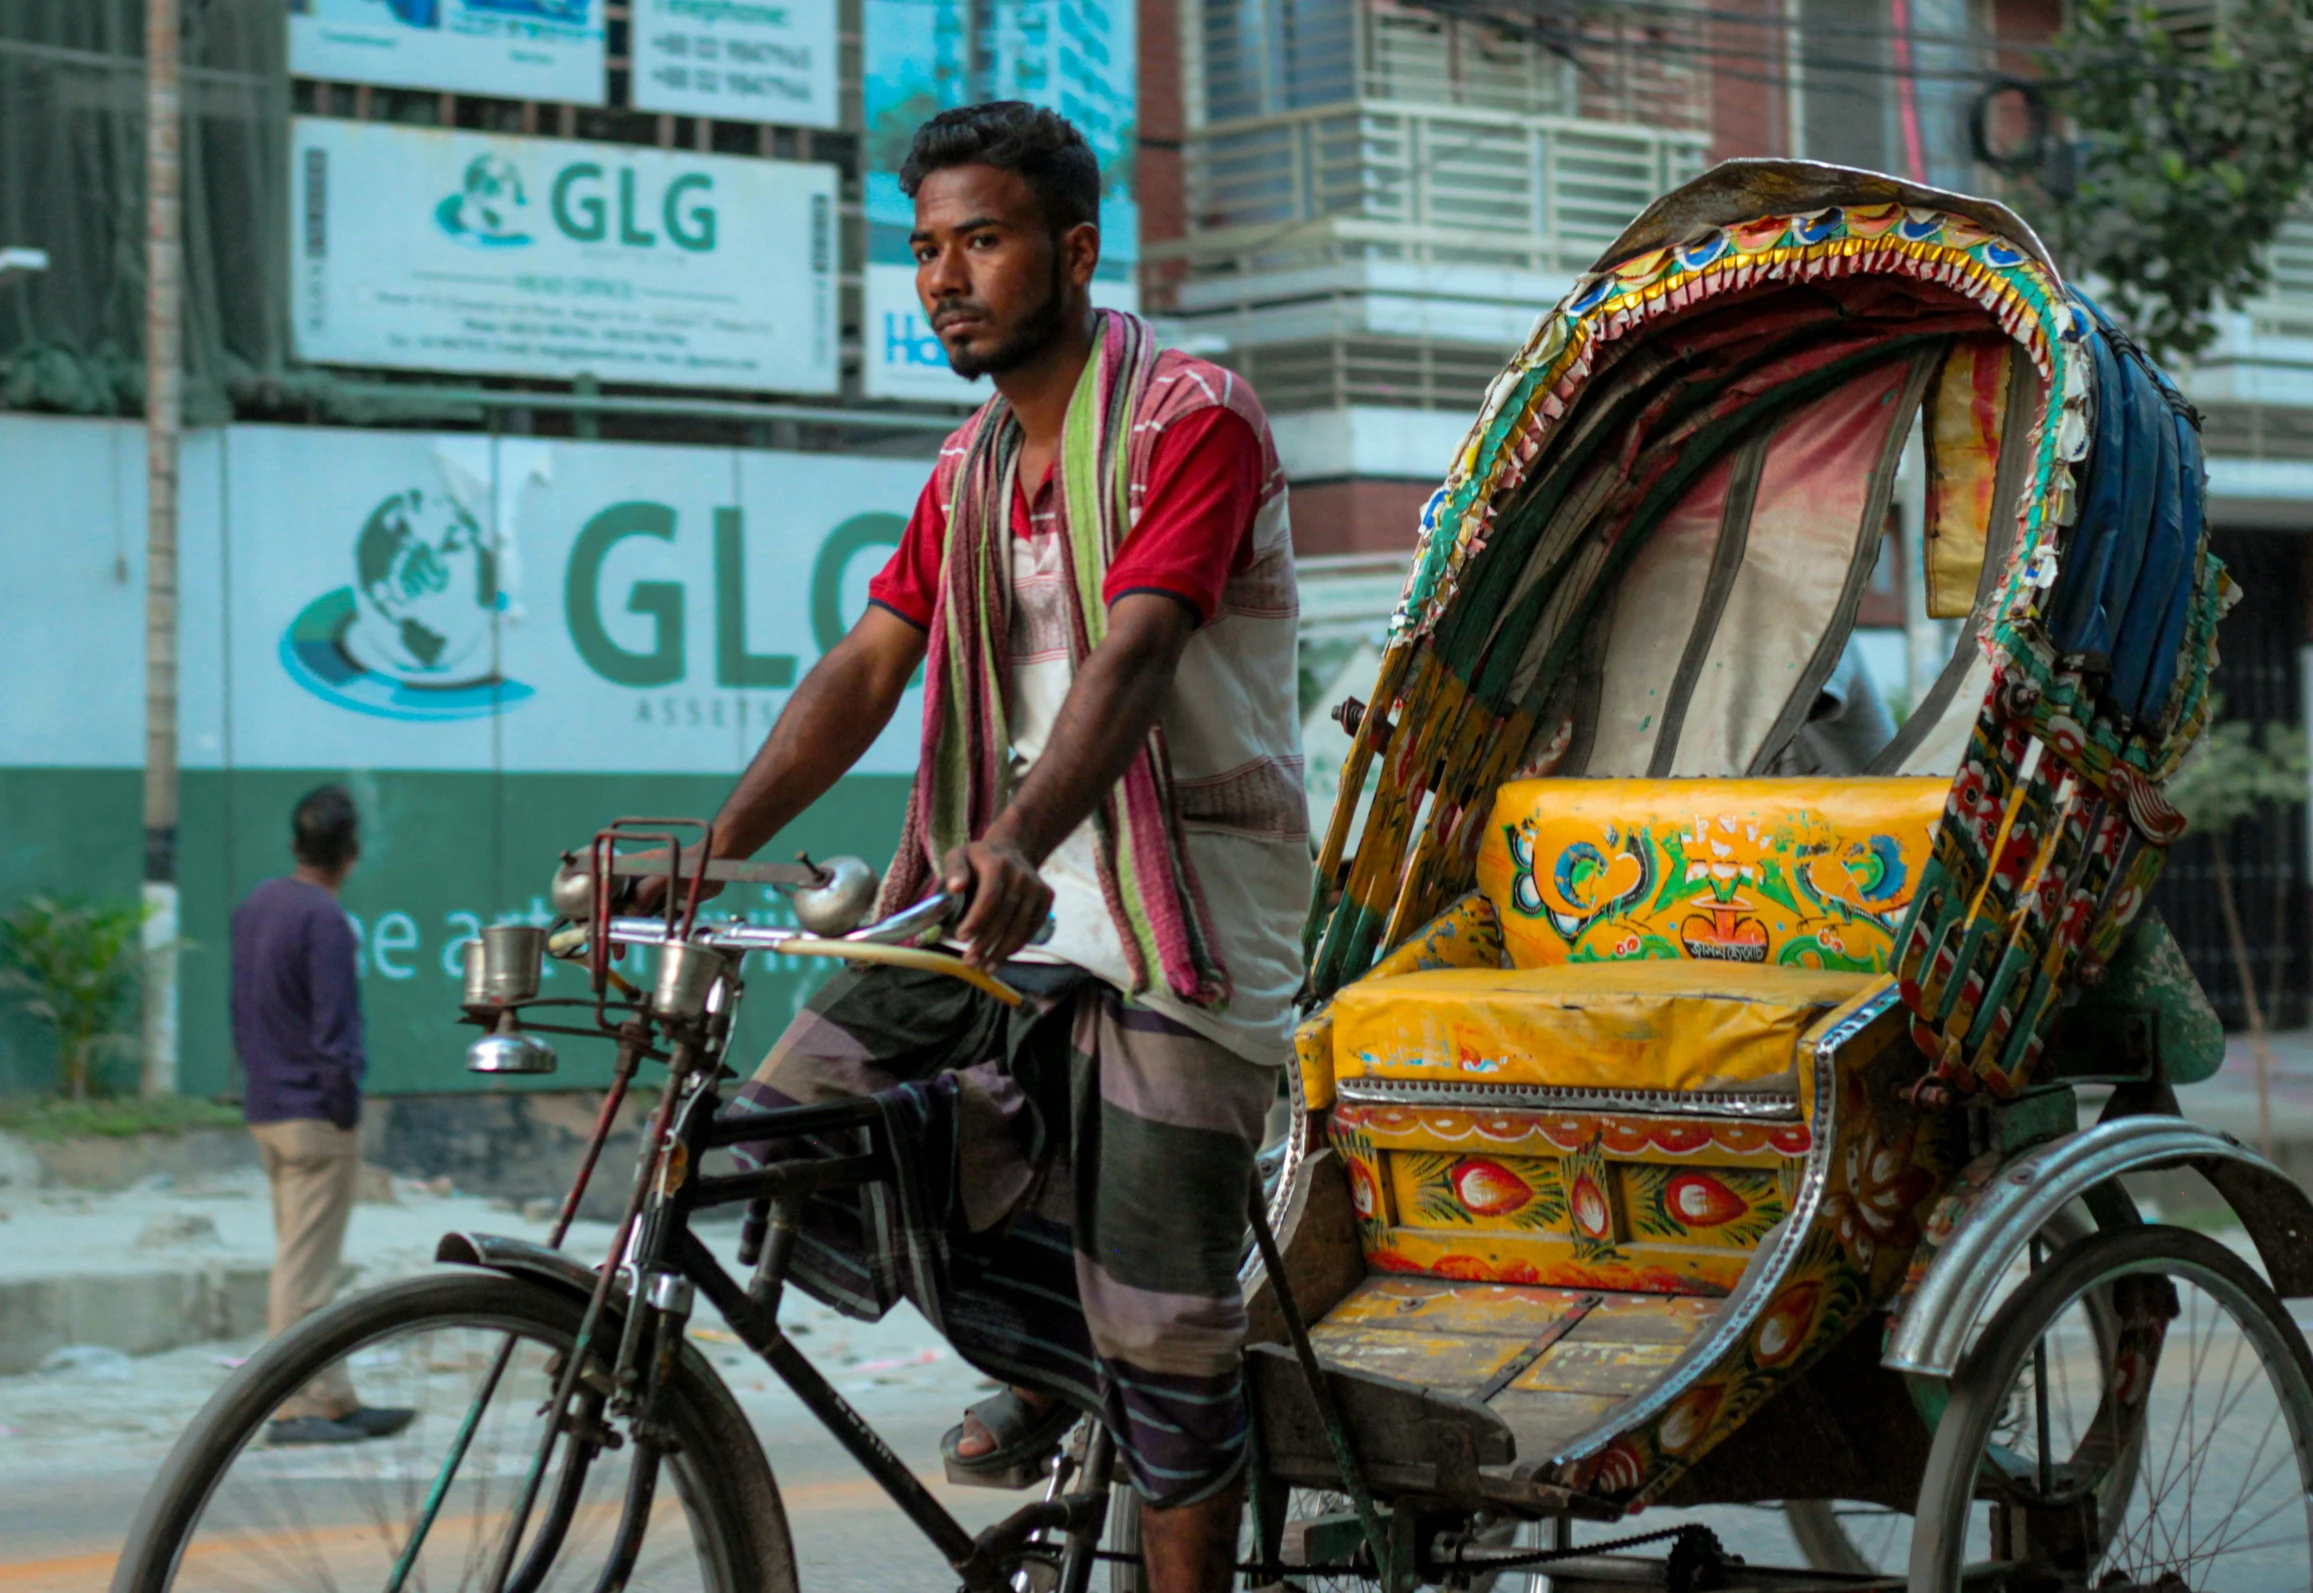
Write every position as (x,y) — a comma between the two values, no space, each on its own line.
(589,206)
(628,232)
(734,665)
(845,543)
(696,230)
(661,600)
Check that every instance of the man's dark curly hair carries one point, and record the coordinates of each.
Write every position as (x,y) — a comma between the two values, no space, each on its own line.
(1043,146)
(324,828)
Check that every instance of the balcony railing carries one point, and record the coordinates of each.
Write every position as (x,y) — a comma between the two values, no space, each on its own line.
(1383,180)
(2286,309)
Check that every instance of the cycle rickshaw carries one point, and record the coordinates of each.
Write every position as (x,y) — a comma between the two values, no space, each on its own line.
(1689,1106)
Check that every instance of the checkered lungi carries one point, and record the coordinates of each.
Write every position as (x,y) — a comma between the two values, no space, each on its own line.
(1069,1208)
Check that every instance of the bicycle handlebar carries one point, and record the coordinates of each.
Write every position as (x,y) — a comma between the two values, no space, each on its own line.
(900,929)
(903,928)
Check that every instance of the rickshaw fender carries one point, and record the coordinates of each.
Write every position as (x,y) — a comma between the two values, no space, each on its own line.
(1997,1217)
(522,1259)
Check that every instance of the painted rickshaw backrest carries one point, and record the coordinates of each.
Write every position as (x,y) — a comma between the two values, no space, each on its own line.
(2080,681)
(1790,873)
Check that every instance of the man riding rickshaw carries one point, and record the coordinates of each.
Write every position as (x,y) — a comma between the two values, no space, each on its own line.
(1704,1091)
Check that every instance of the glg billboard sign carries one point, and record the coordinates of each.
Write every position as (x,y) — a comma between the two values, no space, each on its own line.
(739,60)
(430,249)
(533,49)
(458,603)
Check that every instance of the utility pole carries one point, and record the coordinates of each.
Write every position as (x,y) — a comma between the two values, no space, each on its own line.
(164,406)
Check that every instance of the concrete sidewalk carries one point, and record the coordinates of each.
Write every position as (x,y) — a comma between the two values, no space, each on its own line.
(181,1257)
(120,1341)
(171,1261)
(2229,1099)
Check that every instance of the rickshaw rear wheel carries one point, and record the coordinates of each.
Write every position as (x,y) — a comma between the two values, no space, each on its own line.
(2208,1390)
(1862,1539)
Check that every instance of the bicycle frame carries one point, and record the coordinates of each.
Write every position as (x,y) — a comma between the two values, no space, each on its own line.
(663,1265)
(657,1266)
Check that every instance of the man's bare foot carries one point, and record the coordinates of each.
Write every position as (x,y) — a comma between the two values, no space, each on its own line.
(1192,1548)
(978,1441)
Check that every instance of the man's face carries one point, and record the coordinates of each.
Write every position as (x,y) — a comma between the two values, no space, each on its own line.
(995,282)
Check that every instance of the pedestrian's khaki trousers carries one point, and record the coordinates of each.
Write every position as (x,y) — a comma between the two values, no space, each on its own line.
(313,1167)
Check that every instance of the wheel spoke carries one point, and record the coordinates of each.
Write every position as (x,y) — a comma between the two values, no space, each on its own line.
(2206,1451)
(339,1516)
(2194,1483)
(2250,1476)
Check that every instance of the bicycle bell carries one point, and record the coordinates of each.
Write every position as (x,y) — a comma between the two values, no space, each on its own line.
(475,989)
(841,899)
(506,1049)
(513,957)
(572,892)
(687,971)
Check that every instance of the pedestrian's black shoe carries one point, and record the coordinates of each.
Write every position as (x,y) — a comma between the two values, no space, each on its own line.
(314,1430)
(377,1422)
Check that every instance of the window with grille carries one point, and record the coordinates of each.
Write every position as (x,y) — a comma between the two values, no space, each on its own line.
(1422,58)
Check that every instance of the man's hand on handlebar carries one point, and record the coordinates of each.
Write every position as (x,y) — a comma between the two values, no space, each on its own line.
(1009,900)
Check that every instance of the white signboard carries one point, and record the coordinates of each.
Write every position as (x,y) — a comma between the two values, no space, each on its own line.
(739,60)
(426,249)
(902,357)
(382,600)
(513,49)
(449,602)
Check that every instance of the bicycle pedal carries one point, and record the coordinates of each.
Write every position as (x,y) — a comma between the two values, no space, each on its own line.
(1020,1474)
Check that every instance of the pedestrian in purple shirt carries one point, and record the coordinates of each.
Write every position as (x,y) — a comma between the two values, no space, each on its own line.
(297,1027)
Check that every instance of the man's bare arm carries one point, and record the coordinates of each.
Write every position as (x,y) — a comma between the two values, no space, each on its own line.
(1102,726)
(834,716)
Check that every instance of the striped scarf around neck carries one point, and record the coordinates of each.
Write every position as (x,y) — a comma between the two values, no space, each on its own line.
(963,777)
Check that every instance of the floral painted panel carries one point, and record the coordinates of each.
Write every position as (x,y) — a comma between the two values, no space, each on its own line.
(1798,873)
(1661,1205)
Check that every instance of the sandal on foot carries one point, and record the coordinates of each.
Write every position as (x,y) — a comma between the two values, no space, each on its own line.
(1026,1440)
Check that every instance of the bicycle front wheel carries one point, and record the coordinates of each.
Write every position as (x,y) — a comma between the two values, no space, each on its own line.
(700,1512)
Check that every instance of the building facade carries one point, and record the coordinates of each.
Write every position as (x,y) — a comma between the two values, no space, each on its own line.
(1361,204)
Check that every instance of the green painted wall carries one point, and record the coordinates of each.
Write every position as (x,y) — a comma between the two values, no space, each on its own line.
(443,854)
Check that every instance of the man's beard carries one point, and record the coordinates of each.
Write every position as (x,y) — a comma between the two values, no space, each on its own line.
(1035,332)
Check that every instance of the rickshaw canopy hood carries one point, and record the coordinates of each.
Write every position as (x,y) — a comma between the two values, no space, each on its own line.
(1648,558)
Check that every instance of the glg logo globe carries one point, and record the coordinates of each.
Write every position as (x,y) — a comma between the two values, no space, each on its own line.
(413,636)
(486,213)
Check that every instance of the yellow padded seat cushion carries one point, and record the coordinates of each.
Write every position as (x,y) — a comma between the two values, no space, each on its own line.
(1795,873)
(1623,1026)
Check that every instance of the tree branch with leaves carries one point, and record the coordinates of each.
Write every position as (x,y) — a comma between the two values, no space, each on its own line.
(2187,149)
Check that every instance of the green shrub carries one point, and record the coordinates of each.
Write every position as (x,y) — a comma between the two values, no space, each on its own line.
(73,965)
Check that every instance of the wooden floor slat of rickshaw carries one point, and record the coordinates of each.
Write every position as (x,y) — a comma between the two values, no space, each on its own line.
(1552,1363)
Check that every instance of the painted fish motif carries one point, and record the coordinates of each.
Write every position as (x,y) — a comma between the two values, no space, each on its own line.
(1487,1188)
(1697,1200)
